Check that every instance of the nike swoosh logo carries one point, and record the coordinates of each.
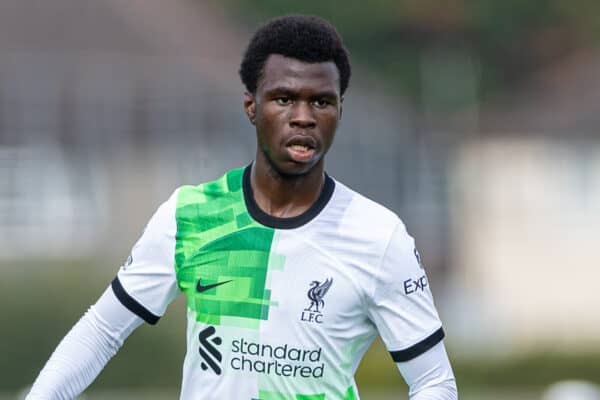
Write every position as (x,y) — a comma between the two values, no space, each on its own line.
(200,288)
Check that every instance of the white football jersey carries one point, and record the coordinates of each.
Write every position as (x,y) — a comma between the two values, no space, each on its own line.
(280,308)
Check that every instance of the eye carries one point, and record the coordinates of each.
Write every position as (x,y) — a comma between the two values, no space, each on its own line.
(283,101)
(321,103)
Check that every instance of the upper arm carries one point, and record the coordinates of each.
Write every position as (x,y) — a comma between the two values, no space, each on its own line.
(147,283)
(401,305)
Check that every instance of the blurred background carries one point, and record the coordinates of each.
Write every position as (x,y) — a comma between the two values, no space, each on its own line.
(477,122)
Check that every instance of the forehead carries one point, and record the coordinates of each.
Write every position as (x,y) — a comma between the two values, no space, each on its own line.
(281,71)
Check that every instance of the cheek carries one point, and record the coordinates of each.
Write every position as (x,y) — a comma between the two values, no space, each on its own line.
(330,123)
(268,127)
(268,119)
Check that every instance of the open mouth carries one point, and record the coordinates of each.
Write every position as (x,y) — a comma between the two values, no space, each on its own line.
(301,148)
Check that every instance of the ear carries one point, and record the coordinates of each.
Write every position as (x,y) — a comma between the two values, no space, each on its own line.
(250,106)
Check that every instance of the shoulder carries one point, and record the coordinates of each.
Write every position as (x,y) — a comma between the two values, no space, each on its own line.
(211,203)
(362,227)
(365,214)
(230,182)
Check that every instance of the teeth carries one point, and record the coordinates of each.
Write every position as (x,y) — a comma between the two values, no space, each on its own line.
(299,147)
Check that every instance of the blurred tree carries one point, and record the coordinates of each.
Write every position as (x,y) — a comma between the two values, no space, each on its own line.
(507,40)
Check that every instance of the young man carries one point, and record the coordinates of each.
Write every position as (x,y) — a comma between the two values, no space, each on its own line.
(289,275)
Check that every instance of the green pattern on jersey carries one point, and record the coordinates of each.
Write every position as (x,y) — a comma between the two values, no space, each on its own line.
(266,395)
(217,241)
(350,395)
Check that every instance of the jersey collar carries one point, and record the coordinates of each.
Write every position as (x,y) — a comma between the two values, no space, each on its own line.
(285,223)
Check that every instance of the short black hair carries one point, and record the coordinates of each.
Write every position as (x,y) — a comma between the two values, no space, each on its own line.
(303,37)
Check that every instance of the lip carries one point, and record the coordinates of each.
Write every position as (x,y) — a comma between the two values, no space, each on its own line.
(302,140)
(300,155)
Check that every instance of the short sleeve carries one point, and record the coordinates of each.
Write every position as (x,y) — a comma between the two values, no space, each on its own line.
(147,283)
(401,305)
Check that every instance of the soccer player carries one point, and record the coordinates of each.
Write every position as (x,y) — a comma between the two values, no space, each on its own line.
(289,275)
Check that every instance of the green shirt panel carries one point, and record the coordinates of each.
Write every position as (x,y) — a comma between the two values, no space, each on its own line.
(217,242)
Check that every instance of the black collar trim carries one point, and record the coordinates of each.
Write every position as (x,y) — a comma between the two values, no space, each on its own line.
(285,223)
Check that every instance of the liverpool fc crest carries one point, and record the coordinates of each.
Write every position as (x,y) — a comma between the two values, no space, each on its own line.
(313,313)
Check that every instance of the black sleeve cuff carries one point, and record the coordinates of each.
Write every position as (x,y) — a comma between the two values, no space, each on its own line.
(419,348)
(132,304)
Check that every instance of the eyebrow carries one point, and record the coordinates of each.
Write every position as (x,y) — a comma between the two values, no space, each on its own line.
(291,92)
(280,90)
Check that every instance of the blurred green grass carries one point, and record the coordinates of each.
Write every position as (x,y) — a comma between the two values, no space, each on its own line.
(42,301)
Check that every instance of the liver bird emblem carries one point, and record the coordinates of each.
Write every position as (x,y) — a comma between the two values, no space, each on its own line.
(316,293)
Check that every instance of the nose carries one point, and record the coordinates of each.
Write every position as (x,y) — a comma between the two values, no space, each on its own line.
(302,116)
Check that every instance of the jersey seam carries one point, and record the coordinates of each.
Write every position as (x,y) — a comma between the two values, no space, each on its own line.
(176,196)
(381,260)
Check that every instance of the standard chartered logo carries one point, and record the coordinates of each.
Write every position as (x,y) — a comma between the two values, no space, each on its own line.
(209,353)
(248,356)
(281,360)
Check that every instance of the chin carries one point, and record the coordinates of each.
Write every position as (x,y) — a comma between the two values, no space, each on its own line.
(293,169)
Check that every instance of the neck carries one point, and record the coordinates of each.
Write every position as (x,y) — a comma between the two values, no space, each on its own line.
(285,196)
